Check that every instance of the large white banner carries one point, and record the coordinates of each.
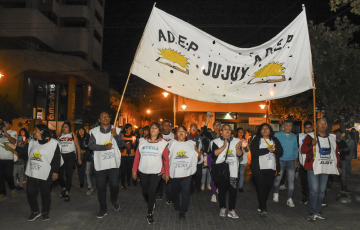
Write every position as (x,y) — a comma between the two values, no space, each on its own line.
(186,61)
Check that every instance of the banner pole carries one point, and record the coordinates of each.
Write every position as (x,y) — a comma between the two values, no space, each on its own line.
(132,64)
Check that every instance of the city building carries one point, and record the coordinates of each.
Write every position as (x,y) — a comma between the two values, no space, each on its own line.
(51,57)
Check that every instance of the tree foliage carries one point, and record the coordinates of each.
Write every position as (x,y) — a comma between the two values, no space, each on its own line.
(354,4)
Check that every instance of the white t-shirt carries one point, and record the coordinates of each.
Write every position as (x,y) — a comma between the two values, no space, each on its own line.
(267,161)
(151,156)
(232,158)
(183,158)
(6,153)
(67,143)
(168,137)
(302,157)
(40,157)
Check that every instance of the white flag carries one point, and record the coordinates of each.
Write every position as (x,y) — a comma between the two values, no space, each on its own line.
(186,61)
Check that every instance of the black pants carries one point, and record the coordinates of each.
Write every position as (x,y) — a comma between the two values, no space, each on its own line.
(197,178)
(224,186)
(101,178)
(81,172)
(182,184)
(125,168)
(167,187)
(263,180)
(304,181)
(32,188)
(149,184)
(6,174)
(67,168)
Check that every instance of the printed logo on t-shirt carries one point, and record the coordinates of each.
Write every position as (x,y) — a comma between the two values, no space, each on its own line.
(181,154)
(36,156)
(230,153)
(106,142)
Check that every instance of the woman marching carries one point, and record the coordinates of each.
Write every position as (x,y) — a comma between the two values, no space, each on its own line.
(225,152)
(183,159)
(152,161)
(265,153)
(70,150)
(127,156)
(244,160)
(43,155)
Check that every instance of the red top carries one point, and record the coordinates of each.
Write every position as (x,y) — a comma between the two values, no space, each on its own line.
(307,148)
(165,167)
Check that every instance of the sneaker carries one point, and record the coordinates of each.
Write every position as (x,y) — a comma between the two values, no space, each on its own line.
(282,187)
(2,197)
(241,190)
(169,202)
(290,203)
(311,217)
(116,206)
(101,214)
(305,200)
(263,213)
(209,187)
(89,191)
(276,197)
(159,196)
(33,216)
(213,198)
(324,204)
(181,216)
(202,187)
(62,194)
(45,216)
(232,214)
(150,219)
(259,210)
(13,193)
(67,198)
(345,191)
(319,216)
(222,212)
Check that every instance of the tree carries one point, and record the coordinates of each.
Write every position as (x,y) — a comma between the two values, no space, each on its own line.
(354,4)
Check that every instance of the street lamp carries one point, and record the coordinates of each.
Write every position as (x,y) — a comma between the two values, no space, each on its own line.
(183,106)
(1,75)
(148,111)
(267,105)
(165,94)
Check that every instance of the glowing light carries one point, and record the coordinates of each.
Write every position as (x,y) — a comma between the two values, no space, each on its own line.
(1,75)
(148,111)
(183,106)
(262,106)
(161,119)
(165,94)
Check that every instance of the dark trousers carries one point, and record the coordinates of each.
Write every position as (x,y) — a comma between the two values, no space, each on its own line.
(304,181)
(67,168)
(101,178)
(149,184)
(167,187)
(197,178)
(182,184)
(6,174)
(263,180)
(32,188)
(224,186)
(81,172)
(125,168)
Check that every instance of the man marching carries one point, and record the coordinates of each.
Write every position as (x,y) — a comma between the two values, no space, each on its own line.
(107,158)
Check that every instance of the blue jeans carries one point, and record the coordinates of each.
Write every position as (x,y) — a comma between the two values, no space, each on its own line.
(317,186)
(205,176)
(289,166)
(241,175)
(183,185)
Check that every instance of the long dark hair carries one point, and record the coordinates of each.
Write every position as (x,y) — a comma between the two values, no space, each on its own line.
(46,131)
(68,124)
(158,126)
(85,133)
(26,133)
(128,125)
(258,131)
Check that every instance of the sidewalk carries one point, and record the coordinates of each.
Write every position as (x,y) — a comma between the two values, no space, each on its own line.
(80,212)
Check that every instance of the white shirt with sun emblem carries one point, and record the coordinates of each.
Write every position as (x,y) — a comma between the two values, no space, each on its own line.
(40,157)
(232,158)
(183,158)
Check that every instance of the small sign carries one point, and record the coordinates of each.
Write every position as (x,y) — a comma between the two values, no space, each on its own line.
(257,120)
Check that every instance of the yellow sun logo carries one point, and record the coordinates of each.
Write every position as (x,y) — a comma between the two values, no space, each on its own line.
(37,155)
(229,152)
(272,69)
(181,153)
(174,57)
(106,142)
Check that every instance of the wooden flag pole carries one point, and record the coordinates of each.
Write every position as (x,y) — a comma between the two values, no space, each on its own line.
(127,80)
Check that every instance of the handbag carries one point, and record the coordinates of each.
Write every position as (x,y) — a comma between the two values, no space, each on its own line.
(220,171)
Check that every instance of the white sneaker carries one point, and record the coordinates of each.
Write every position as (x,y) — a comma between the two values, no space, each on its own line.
(276,197)
(208,187)
(213,198)
(202,187)
(290,203)
(282,187)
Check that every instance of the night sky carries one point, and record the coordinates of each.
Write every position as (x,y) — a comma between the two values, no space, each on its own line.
(242,23)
